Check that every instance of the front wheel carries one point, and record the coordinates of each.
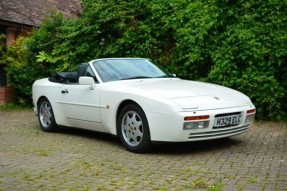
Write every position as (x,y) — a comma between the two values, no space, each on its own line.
(46,116)
(133,129)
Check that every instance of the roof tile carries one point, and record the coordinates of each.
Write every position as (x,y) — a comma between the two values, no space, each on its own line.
(31,12)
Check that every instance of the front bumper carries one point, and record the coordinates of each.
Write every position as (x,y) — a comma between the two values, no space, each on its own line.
(169,128)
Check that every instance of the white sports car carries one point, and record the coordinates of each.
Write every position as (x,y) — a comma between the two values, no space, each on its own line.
(140,103)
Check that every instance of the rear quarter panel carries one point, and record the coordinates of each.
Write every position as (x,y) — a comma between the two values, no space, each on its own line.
(43,88)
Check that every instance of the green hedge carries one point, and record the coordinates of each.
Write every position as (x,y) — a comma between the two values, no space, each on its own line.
(239,44)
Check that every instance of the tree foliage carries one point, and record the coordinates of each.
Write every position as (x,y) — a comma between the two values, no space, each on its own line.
(239,44)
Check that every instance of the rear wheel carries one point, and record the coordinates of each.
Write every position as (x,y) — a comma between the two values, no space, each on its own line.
(46,116)
(133,129)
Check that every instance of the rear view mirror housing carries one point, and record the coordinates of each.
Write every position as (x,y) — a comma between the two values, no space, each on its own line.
(85,80)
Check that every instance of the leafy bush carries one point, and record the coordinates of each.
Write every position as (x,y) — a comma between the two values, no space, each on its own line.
(239,44)
(251,56)
(21,74)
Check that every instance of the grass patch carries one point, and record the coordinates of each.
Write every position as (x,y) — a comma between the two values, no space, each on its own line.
(42,153)
(197,184)
(202,184)
(253,180)
(216,187)
(12,106)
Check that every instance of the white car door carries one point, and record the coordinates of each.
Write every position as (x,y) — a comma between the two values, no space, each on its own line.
(81,106)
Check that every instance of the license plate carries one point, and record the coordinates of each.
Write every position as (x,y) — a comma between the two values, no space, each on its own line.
(227,120)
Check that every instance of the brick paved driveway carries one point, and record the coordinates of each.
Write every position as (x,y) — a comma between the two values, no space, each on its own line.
(81,160)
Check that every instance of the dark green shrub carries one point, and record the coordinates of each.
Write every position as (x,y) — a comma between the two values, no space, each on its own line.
(252,54)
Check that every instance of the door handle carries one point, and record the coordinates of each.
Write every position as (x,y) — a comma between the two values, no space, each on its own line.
(65,91)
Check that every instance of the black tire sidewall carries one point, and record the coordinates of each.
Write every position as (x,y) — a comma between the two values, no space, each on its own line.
(145,142)
(53,126)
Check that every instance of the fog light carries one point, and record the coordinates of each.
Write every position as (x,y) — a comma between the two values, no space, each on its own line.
(250,118)
(250,115)
(195,125)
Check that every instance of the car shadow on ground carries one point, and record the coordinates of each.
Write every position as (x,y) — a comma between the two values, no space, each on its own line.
(197,146)
(160,148)
(94,135)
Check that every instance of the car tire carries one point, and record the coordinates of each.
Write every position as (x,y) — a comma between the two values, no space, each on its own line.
(46,116)
(133,129)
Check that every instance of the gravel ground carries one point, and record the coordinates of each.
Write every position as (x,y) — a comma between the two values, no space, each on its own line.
(74,159)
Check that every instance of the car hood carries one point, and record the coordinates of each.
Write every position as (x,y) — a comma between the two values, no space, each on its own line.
(192,94)
(177,88)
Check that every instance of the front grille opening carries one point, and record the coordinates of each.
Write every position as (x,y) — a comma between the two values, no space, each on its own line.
(219,133)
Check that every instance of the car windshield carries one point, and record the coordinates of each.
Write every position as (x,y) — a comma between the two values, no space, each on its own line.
(124,69)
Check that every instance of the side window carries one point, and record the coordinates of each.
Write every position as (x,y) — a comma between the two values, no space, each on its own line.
(90,73)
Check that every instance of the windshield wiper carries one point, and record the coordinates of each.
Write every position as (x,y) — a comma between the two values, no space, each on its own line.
(166,76)
(136,77)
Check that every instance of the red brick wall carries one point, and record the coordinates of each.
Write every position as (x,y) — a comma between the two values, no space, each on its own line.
(6,95)
(11,35)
